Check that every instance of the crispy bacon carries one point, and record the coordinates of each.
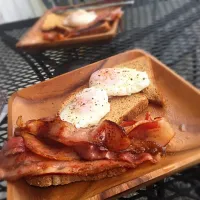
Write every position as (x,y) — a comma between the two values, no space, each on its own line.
(128,123)
(50,36)
(53,151)
(29,164)
(134,123)
(143,146)
(35,127)
(104,147)
(111,135)
(137,158)
(109,14)
(158,131)
(115,13)
(87,151)
(107,135)
(93,152)
(53,36)
(13,146)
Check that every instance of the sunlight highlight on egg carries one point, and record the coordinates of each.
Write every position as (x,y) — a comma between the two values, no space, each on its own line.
(87,108)
(119,81)
(80,18)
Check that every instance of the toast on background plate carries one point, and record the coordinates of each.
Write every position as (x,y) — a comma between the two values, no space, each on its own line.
(78,26)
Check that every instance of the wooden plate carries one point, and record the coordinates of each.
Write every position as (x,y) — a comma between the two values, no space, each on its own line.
(182,107)
(33,40)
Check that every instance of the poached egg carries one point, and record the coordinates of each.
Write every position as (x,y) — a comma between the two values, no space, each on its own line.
(119,81)
(79,18)
(87,108)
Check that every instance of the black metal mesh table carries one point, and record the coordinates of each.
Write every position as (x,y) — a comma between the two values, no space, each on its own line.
(168,29)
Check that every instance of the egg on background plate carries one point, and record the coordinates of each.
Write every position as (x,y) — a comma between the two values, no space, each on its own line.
(80,18)
(119,81)
(87,108)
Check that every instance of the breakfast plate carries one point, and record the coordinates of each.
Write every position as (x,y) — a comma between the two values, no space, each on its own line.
(50,32)
(45,99)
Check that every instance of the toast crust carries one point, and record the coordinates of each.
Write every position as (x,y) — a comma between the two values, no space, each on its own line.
(54,180)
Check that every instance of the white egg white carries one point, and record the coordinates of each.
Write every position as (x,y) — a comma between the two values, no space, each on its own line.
(119,81)
(79,18)
(87,108)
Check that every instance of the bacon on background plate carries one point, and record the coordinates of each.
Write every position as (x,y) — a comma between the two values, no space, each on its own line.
(53,29)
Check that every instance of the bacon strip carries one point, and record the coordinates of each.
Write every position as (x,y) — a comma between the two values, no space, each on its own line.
(54,151)
(85,150)
(111,135)
(29,164)
(107,134)
(106,147)
(53,36)
(100,142)
(109,14)
(158,131)
(13,146)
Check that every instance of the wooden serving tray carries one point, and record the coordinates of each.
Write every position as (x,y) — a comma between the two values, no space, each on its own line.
(32,40)
(182,107)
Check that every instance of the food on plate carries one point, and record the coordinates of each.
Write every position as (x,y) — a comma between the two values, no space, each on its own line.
(79,23)
(143,64)
(90,151)
(87,108)
(53,21)
(119,81)
(94,135)
(130,105)
(79,18)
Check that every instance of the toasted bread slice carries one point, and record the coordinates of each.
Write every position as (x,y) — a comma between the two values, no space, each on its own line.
(49,180)
(126,108)
(53,21)
(143,63)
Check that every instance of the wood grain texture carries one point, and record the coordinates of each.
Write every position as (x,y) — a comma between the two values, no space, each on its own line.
(182,107)
(33,40)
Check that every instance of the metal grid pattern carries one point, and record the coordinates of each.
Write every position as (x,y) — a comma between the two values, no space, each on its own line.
(177,187)
(168,29)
